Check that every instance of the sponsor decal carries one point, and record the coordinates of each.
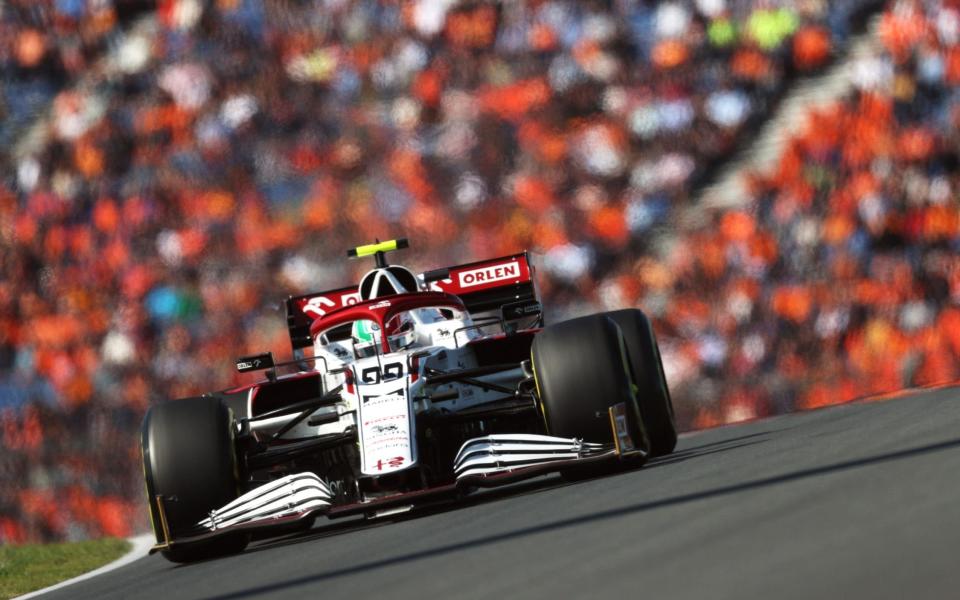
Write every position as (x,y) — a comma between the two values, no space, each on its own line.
(393,463)
(258,361)
(383,304)
(382,419)
(382,398)
(319,306)
(385,434)
(618,415)
(484,275)
(441,285)
(338,487)
(374,375)
(621,425)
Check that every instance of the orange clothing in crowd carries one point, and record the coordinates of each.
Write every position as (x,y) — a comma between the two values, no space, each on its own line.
(147,239)
(811,47)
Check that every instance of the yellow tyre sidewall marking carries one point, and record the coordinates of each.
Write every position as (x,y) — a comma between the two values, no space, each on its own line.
(536,383)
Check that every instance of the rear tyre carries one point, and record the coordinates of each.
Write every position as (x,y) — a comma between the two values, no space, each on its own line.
(653,395)
(580,370)
(189,458)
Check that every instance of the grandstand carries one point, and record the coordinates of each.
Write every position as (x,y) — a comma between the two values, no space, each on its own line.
(170,173)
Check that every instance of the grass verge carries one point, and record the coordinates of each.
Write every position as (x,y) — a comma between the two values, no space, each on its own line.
(34,566)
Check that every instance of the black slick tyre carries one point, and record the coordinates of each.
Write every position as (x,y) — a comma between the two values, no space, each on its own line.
(653,395)
(580,372)
(189,459)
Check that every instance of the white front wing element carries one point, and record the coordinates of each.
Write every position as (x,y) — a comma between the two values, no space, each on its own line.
(295,494)
(503,453)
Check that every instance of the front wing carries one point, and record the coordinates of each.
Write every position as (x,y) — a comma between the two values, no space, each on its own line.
(481,462)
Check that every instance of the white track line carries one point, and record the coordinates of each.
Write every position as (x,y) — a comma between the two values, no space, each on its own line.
(139,547)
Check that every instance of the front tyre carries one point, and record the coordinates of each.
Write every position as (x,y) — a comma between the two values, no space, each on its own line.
(653,396)
(189,458)
(581,371)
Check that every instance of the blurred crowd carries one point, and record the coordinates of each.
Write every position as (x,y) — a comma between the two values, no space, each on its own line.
(196,162)
(839,278)
(45,45)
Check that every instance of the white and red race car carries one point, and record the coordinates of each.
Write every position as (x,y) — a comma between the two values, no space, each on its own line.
(419,388)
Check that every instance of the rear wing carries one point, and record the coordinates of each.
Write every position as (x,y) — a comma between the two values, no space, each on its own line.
(487,285)
(484,286)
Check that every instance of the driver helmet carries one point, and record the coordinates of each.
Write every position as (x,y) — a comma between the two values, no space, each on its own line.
(366,338)
(366,335)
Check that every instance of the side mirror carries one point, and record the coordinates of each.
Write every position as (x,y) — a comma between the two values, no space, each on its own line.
(256,362)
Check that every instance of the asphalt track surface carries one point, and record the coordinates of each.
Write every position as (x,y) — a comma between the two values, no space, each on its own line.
(855,501)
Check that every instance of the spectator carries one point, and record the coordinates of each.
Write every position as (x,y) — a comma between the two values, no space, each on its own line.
(206,160)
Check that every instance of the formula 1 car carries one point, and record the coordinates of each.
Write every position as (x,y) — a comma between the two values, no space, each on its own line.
(418,389)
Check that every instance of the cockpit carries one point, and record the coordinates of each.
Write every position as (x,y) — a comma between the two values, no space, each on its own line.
(420,326)
(425,323)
